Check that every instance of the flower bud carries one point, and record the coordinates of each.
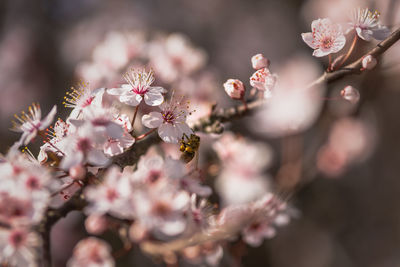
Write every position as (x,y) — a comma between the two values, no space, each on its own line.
(259,61)
(369,62)
(350,94)
(96,224)
(234,88)
(77,172)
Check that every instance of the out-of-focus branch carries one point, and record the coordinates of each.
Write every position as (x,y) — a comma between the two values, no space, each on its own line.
(212,123)
(76,202)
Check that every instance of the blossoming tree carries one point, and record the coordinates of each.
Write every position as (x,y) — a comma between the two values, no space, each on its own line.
(127,156)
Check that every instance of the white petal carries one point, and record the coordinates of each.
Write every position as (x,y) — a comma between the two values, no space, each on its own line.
(308,39)
(320,53)
(97,157)
(174,227)
(71,160)
(381,33)
(48,119)
(113,149)
(168,133)
(152,120)
(153,98)
(364,34)
(114,130)
(339,44)
(118,91)
(157,89)
(183,128)
(132,99)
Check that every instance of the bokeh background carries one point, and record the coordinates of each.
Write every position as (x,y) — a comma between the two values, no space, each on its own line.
(352,220)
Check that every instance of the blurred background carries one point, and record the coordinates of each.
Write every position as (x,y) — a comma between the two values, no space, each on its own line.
(47,46)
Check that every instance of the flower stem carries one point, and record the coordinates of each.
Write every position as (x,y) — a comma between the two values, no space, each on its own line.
(140,137)
(353,45)
(134,116)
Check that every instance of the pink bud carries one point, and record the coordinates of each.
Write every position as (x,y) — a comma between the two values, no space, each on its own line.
(234,88)
(350,94)
(259,61)
(369,62)
(96,224)
(77,172)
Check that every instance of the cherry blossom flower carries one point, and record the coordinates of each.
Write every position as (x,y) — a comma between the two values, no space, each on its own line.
(162,210)
(111,196)
(171,121)
(174,56)
(139,88)
(18,247)
(234,88)
(264,80)
(29,124)
(84,146)
(56,142)
(350,94)
(369,62)
(255,233)
(367,25)
(96,224)
(326,37)
(91,252)
(116,146)
(102,122)
(242,179)
(83,97)
(259,61)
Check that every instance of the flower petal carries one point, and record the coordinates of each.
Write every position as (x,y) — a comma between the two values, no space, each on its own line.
(152,120)
(169,133)
(153,98)
(308,39)
(118,91)
(131,99)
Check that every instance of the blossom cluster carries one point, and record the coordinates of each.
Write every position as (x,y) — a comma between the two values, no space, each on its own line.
(162,198)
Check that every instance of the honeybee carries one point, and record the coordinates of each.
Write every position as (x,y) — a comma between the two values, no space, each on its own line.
(189,147)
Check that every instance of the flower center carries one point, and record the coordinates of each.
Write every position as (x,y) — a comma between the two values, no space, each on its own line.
(16,238)
(84,144)
(169,117)
(326,42)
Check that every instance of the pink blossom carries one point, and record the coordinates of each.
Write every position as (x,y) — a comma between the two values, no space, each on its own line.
(264,80)
(116,146)
(367,25)
(170,121)
(111,196)
(138,88)
(259,61)
(18,247)
(369,62)
(162,210)
(234,88)
(29,124)
(96,224)
(91,252)
(326,37)
(350,94)
(82,97)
